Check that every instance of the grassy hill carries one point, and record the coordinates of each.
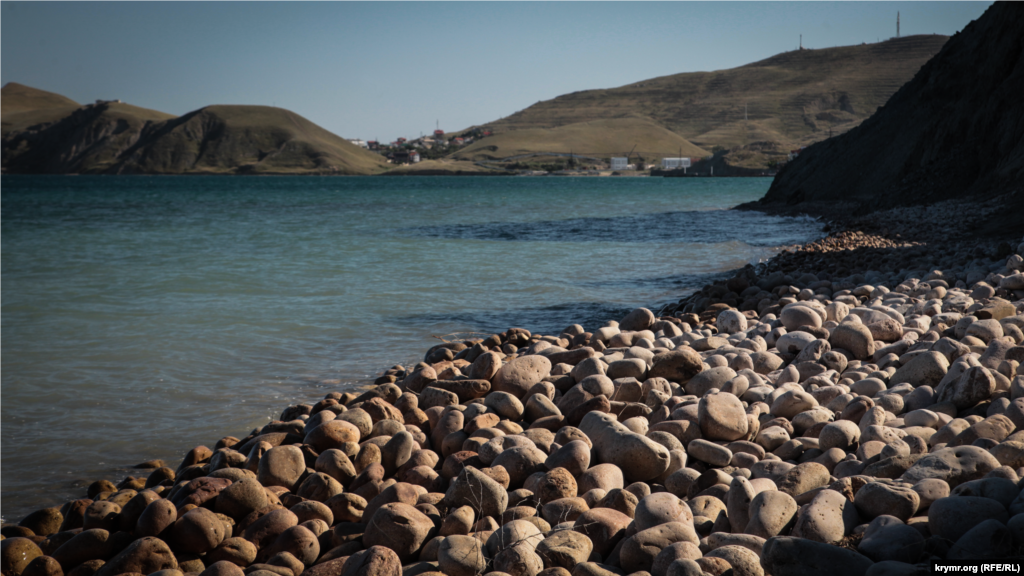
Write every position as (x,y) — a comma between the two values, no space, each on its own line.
(55,137)
(245,139)
(23,106)
(598,138)
(791,99)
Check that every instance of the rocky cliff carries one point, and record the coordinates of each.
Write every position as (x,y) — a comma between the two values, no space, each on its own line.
(955,131)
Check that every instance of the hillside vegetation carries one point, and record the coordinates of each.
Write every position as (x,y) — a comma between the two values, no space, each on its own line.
(791,99)
(599,138)
(443,167)
(23,106)
(245,139)
(117,138)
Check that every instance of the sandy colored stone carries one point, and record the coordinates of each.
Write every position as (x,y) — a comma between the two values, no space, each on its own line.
(16,554)
(803,478)
(887,498)
(952,465)
(268,527)
(842,434)
(828,518)
(517,376)
(721,416)
(709,452)
(573,456)
(660,508)
(520,462)
(557,483)
(299,542)
(236,550)
(374,561)
(143,556)
(461,556)
(400,527)
(564,549)
(677,365)
(743,561)
(282,466)
(853,337)
(771,513)
(639,551)
(156,517)
(605,528)
(474,488)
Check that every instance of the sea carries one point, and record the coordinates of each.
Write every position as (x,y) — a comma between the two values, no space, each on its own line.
(146,315)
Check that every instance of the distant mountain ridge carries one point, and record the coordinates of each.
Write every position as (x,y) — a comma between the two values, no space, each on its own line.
(790,99)
(46,135)
(955,131)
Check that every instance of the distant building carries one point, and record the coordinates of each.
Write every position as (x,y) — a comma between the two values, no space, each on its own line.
(406,157)
(401,141)
(360,143)
(794,153)
(674,163)
(438,133)
(458,142)
(619,163)
(373,145)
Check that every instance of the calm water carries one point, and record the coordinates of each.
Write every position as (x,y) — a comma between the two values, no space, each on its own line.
(142,316)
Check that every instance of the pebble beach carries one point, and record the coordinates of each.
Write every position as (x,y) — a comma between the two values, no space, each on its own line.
(853,406)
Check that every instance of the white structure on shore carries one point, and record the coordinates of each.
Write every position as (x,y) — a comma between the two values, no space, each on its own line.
(360,143)
(674,163)
(619,163)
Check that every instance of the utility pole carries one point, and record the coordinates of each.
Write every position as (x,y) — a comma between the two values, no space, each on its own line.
(897,24)
(801,41)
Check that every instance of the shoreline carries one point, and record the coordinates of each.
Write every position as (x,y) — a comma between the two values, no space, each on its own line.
(838,375)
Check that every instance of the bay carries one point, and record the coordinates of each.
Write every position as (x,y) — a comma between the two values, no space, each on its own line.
(145,315)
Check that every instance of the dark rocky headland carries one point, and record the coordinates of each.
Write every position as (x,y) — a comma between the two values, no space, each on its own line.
(855,406)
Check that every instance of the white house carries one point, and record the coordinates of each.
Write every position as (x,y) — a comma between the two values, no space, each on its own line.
(619,163)
(674,163)
(360,143)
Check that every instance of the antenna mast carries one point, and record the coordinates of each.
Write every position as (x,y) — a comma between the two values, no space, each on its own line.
(897,24)
(801,41)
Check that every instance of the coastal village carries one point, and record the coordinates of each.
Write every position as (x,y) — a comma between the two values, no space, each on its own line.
(405,152)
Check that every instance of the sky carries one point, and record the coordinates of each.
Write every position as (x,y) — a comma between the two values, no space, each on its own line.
(380,70)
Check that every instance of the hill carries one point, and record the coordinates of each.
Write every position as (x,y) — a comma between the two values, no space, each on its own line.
(792,99)
(23,106)
(955,131)
(599,138)
(248,140)
(116,138)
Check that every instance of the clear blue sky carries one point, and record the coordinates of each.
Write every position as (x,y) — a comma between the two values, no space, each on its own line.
(389,69)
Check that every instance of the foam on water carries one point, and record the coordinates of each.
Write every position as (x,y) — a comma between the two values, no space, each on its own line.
(142,316)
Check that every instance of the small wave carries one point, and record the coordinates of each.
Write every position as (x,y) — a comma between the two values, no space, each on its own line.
(542,319)
(696,226)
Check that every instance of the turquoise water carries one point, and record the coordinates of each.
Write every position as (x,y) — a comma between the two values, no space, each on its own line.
(142,316)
